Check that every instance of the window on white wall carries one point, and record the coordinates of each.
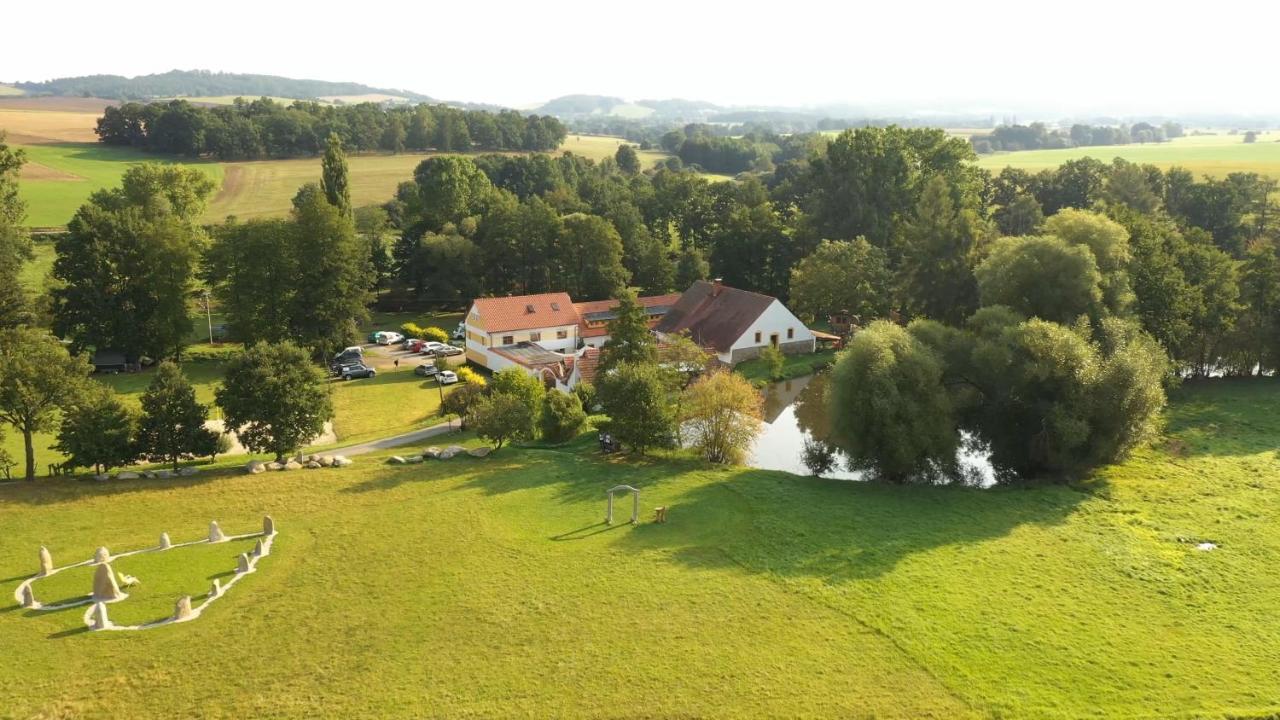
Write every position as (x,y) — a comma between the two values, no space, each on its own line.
(757,338)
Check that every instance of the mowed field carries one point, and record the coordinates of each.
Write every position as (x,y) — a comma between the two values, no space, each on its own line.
(491,588)
(66,165)
(1212,155)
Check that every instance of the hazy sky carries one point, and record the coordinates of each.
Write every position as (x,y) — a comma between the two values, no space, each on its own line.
(1118,56)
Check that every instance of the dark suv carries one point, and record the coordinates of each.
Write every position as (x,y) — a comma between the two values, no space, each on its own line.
(350,372)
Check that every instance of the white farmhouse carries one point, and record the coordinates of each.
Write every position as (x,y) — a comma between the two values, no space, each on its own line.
(735,324)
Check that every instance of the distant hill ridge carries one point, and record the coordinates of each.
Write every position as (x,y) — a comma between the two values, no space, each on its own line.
(569,106)
(201,83)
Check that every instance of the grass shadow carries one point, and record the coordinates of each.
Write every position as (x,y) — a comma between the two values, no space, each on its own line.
(774,522)
(587,531)
(68,633)
(1224,417)
(60,490)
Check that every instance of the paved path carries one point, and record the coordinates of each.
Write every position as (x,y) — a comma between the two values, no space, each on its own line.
(394,441)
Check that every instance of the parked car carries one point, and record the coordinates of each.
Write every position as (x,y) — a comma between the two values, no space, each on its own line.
(429,347)
(414,345)
(426,370)
(348,356)
(351,372)
(460,332)
(448,350)
(337,367)
(447,377)
(390,338)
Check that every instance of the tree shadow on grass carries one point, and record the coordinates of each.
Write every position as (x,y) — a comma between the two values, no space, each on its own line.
(69,633)
(587,531)
(56,491)
(429,470)
(773,522)
(1224,417)
(579,474)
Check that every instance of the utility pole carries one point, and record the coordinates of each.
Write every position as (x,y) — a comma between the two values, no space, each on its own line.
(208,316)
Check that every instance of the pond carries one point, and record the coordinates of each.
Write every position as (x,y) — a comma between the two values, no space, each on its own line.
(794,411)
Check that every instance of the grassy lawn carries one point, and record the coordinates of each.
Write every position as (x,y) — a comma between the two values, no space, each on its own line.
(795,366)
(490,588)
(1214,155)
(62,176)
(34,272)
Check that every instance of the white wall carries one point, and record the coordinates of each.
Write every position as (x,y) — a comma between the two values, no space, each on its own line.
(775,319)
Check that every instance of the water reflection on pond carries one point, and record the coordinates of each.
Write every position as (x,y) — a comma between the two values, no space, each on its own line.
(794,412)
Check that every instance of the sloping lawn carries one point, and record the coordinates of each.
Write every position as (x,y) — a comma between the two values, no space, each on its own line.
(491,588)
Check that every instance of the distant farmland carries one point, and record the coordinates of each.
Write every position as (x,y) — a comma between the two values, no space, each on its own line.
(65,165)
(1213,155)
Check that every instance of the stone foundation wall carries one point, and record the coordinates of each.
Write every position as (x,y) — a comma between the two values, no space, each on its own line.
(795,347)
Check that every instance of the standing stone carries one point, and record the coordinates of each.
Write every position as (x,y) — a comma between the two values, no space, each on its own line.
(182,611)
(216,590)
(242,564)
(165,543)
(215,533)
(105,588)
(99,617)
(29,598)
(259,549)
(102,555)
(46,561)
(268,526)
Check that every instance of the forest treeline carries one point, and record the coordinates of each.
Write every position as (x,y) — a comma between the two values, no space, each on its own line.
(264,128)
(200,83)
(1038,136)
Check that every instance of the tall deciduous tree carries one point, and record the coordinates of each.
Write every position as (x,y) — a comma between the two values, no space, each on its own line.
(889,409)
(1041,277)
(1108,240)
(628,159)
(335,179)
(252,268)
(334,274)
(517,383)
(450,188)
(722,415)
(274,399)
(15,243)
(843,276)
(98,430)
(37,378)
(870,179)
(635,398)
(589,258)
(127,262)
(933,273)
(499,417)
(630,340)
(172,424)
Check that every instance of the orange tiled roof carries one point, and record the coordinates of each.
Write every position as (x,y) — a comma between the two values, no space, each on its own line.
(525,312)
(587,364)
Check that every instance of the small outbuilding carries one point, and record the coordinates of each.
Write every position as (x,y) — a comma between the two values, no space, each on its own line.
(109,361)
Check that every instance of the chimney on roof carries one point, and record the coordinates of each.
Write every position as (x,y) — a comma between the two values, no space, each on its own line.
(716,286)
(528,309)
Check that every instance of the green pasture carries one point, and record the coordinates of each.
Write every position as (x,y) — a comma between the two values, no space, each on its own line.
(1212,155)
(483,588)
(80,170)
(68,173)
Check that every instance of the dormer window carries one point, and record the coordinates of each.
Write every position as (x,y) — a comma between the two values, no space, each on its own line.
(555,306)
(528,309)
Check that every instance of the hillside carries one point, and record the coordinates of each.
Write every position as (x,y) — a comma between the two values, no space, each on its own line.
(204,83)
(571,106)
